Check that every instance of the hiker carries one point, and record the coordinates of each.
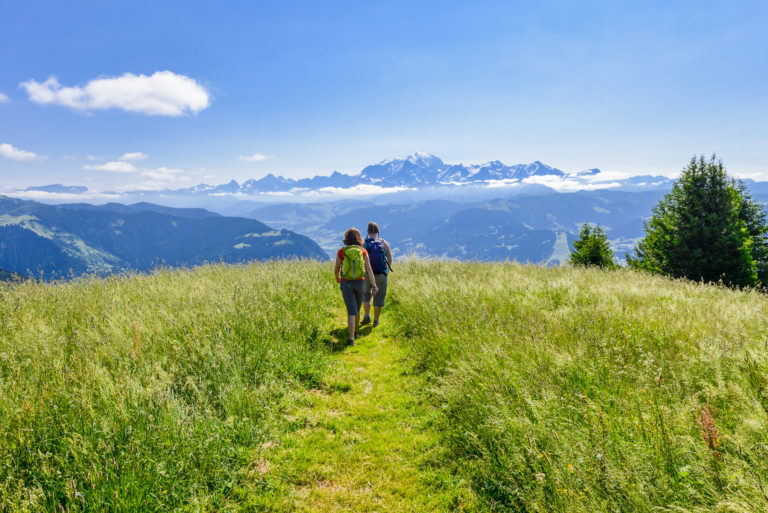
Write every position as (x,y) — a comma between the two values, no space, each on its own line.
(351,270)
(380,257)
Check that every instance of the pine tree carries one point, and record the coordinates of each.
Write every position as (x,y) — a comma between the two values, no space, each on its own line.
(592,248)
(707,228)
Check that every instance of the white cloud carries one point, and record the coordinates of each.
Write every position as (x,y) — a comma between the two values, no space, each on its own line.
(357,189)
(11,152)
(605,176)
(93,157)
(112,167)
(163,93)
(162,174)
(256,157)
(62,196)
(161,178)
(4,98)
(565,184)
(133,156)
(325,192)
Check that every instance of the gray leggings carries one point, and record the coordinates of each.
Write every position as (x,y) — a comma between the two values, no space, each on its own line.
(352,292)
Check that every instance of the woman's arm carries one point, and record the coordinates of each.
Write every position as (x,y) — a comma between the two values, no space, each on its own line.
(337,269)
(369,273)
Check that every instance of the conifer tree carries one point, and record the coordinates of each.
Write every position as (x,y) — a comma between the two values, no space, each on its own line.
(707,228)
(592,248)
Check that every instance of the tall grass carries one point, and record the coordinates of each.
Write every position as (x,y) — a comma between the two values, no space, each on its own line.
(559,389)
(150,393)
(581,390)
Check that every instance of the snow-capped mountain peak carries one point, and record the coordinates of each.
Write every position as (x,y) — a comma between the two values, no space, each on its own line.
(424,159)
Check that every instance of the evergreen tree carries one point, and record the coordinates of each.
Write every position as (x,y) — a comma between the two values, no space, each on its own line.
(592,248)
(707,228)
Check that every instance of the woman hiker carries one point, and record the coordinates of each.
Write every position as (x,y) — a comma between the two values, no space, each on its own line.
(380,257)
(351,270)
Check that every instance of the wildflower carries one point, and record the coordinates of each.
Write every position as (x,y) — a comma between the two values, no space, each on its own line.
(709,430)
(540,476)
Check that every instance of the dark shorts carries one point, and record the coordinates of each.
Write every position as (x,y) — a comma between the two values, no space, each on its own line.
(352,292)
(381,295)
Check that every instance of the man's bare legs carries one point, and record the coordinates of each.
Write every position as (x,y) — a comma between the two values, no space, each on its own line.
(376,313)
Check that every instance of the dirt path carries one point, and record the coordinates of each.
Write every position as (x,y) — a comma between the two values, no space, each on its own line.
(363,443)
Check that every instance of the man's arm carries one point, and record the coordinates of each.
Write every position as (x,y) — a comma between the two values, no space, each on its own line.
(389,253)
(369,274)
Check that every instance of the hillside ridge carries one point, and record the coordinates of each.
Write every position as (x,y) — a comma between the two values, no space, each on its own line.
(73,239)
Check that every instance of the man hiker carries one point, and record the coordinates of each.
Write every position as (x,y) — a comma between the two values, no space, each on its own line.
(380,257)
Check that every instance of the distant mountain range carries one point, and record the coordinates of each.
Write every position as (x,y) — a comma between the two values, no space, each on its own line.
(424,170)
(418,171)
(425,206)
(38,239)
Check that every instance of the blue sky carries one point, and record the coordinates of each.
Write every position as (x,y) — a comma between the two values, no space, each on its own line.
(313,87)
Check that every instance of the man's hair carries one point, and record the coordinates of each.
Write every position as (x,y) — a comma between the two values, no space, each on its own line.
(373,228)
(352,237)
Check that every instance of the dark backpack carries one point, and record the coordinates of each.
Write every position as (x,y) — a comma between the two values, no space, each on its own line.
(377,255)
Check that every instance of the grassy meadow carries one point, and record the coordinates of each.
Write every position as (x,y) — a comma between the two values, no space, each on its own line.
(586,390)
(151,392)
(546,390)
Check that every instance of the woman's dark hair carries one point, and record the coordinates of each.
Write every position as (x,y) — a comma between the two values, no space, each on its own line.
(352,237)
(373,228)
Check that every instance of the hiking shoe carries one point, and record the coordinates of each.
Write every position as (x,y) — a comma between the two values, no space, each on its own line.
(351,342)
(366,319)
(375,322)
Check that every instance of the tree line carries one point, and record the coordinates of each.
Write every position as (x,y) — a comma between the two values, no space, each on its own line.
(707,228)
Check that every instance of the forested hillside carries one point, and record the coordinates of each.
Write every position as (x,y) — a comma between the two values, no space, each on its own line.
(61,241)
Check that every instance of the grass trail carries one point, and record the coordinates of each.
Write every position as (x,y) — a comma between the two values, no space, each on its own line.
(363,442)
